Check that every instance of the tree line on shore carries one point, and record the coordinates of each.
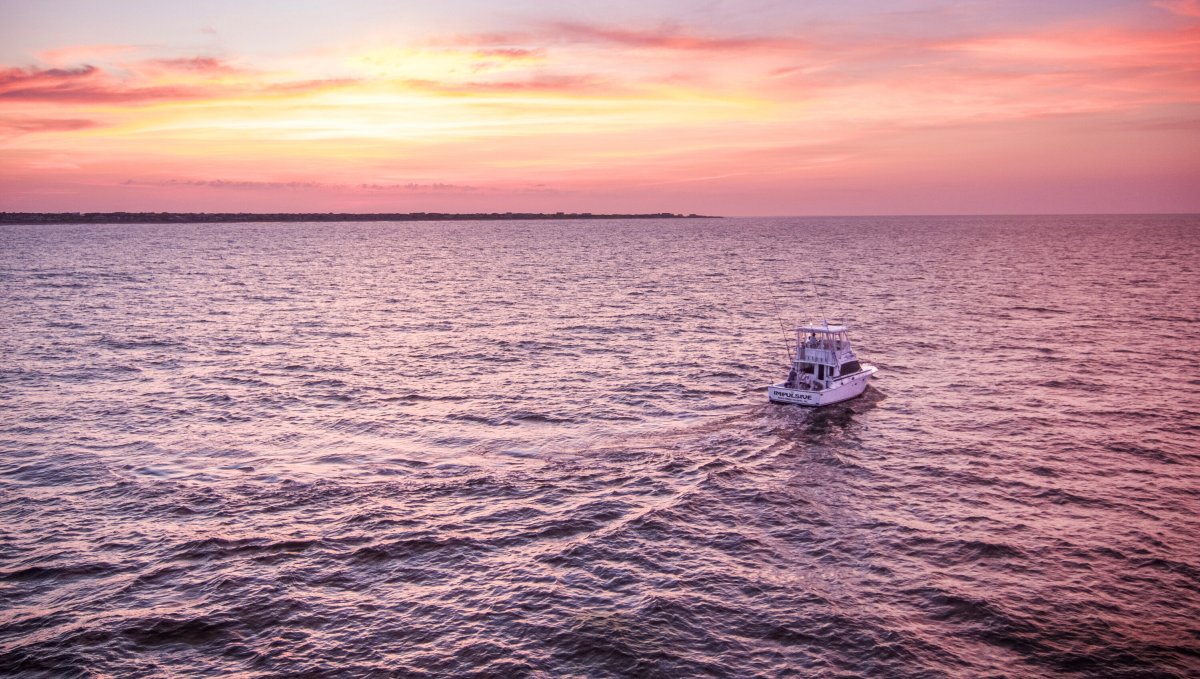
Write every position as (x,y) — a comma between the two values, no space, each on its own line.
(213,217)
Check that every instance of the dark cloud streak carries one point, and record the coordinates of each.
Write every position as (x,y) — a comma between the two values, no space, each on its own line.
(83,84)
(194,65)
(28,125)
(666,38)
(90,85)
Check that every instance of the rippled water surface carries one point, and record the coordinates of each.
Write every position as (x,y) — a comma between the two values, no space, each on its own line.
(538,448)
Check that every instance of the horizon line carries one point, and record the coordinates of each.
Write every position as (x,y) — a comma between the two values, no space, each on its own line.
(6,215)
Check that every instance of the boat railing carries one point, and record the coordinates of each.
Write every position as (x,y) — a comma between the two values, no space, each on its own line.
(812,355)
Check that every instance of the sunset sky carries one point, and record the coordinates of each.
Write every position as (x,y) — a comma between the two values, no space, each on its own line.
(733,108)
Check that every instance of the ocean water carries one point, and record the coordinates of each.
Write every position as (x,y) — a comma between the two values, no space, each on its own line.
(544,449)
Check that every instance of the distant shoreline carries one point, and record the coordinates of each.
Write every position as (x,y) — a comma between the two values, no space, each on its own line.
(231,217)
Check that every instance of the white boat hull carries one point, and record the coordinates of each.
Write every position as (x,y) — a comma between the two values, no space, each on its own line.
(840,389)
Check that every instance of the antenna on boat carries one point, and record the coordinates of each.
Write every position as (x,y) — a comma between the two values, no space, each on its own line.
(787,340)
(820,301)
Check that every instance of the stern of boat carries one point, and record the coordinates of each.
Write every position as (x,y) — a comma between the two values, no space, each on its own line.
(850,388)
(781,393)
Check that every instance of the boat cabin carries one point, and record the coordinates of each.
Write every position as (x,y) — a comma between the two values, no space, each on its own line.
(822,353)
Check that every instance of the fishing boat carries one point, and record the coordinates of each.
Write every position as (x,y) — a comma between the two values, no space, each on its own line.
(824,368)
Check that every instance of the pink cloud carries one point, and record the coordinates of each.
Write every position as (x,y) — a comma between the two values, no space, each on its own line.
(513,53)
(1095,46)
(666,37)
(1187,8)
(74,54)
(561,83)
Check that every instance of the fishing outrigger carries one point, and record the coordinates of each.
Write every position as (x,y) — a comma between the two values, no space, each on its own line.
(824,369)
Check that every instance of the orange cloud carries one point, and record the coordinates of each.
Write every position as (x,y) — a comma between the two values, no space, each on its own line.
(241,184)
(75,54)
(537,82)
(297,87)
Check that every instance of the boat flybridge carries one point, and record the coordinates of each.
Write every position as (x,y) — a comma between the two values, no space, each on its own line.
(824,368)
